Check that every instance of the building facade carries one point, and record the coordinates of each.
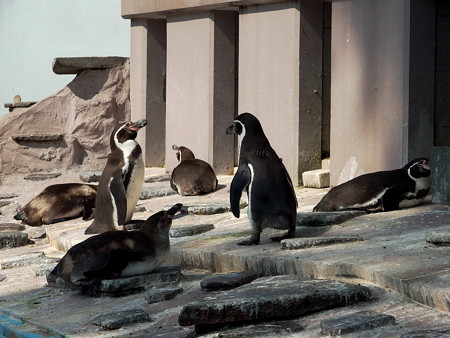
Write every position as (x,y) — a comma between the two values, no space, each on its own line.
(362,81)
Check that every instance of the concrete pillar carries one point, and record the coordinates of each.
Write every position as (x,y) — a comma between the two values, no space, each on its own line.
(147,85)
(200,87)
(280,66)
(381,77)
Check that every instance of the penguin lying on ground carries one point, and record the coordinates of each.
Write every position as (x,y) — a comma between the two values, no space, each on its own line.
(271,197)
(121,181)
(119,253)
(192,176)
(59,202)
(382,190)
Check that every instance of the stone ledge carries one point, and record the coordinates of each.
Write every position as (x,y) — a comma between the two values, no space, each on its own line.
(37,138)
(319,178)
(75,65)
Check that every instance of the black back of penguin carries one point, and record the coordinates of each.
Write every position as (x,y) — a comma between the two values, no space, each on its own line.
(272,197)
(382,190)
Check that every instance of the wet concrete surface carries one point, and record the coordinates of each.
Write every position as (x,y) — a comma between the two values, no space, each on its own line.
(409,277)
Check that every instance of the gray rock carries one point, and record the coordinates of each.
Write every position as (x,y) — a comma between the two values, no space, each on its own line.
(157,178)
(153,192)
(355,322)
(227,281)
(275,329)
(165,276)
(160,295)
(271,298)
(90,176)
(4,203)
(190,230)
(8,196)
(326,218)
(75,65)
(438,237)
(311,242)
(11,227)
(140,208)
(42,177)
(13,239)
(208,209)
(34,258)
(439,333)
(440,175)
(37,138)
(2,277)
(115,320)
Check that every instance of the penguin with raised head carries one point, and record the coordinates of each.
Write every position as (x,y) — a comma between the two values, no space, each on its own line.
(115,254)
(382,190)
(271,197)
(121,181)
(59,202)
(192,176)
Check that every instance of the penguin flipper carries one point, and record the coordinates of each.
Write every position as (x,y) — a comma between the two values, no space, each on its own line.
(109,265)
(119,196)
(240,181)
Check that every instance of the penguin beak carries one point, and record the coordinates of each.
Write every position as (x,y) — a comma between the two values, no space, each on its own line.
(135,126)
(230,130)
(426,165)
(172,211)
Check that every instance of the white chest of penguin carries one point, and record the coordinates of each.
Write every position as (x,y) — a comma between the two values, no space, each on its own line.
(137,174)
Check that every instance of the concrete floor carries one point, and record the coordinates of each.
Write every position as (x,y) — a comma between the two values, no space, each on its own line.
(410,277)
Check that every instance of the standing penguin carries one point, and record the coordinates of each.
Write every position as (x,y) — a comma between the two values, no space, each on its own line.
(59,202)
(121,180)
(271,198)
(118,253)
(382,190)
(192,176)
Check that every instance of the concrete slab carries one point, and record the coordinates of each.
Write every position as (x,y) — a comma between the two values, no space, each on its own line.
(274,298)
(319,178)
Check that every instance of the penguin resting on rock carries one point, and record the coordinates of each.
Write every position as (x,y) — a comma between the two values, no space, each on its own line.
(121,181)
(382,190)
(192,176)
(115,254)
(271,197)
(59,202)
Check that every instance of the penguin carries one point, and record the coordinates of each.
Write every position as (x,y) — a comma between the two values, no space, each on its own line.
(382,190)
(59,202)
(121,180)
(271,197)
(192,176)
(114,254)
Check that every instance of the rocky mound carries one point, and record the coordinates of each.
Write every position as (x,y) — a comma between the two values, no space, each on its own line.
(70,128)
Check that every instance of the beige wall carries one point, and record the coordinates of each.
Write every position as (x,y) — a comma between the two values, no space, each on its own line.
(200,102)
(275,76)
(369,87)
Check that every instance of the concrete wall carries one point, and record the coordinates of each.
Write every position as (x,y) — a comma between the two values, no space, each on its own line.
(200,98)
(147,86)
(366,114)
(280,60)
(382,85)
(32,33)
(442,84)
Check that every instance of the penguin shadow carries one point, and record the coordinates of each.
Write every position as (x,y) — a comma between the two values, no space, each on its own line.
(136,224)
(309,231)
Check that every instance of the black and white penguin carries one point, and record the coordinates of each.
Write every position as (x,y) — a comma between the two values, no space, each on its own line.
(115,254)
(271,197)
(192,176)
(59,202)
(121,181)
(382,190)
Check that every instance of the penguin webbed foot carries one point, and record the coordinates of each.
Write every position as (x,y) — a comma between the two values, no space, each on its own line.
(289,234)
(253,240)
